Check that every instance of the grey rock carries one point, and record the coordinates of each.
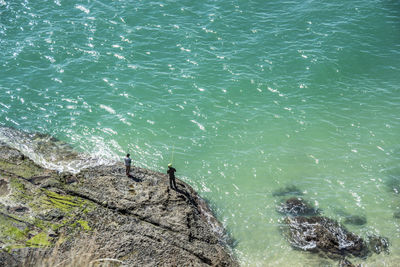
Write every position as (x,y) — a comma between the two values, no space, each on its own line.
(4,189)
(7,259)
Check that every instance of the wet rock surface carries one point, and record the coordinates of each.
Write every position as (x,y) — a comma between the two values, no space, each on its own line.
(323,235)
(138,220)
(328,238)
(297,206)
(378,244)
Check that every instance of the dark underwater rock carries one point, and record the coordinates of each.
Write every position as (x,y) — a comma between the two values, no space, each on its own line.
(396,214)
(297,207)
(393,180)
(378,244)
(287,190)
(355,220)
(323,235)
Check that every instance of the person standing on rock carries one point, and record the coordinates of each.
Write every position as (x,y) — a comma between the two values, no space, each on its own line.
(171,171)
(128,162)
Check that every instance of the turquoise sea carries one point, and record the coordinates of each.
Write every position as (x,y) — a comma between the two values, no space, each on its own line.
(244,97)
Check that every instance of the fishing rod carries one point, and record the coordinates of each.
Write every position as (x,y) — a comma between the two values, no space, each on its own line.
(172,155)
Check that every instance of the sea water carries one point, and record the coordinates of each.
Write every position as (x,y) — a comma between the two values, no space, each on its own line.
(243,97)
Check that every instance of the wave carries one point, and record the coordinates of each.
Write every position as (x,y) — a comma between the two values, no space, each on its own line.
(50,152)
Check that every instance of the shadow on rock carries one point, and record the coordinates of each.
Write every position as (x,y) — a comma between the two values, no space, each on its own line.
(134,178)
(188,197)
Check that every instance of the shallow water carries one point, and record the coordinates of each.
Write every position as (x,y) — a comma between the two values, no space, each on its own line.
(244,97)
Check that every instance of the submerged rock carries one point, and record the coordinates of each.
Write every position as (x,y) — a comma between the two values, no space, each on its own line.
(378,244)
(323,235)
(351,219)
(396,215)
(296,207)
(355,220)
(287,190)
(393,180)
(138,220)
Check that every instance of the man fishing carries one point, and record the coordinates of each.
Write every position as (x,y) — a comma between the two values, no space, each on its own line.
(128,162)
(171,171)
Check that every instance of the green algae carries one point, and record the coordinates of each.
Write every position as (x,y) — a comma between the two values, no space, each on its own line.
(30,229)
(15,233)
(19,191)
(12,232)
(17,184)
(84,225)
(39,240)
(70,208)
(27,169)
(65,203)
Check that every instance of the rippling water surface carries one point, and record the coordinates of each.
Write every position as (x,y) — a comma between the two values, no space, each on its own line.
(245,97)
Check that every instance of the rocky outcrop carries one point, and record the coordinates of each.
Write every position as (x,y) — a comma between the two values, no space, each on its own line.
(321,234)
(137,221)
(306,230)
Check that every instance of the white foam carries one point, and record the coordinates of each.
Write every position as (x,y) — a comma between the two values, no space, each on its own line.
(108,109)
(82,8)
(199,125)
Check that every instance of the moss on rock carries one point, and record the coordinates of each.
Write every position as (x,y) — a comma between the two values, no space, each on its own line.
(64,203)
(84,225)
(12,232)
(39,240)
(26,168)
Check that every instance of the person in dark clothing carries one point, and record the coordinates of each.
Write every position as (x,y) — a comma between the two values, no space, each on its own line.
(128,162)
(171,171)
